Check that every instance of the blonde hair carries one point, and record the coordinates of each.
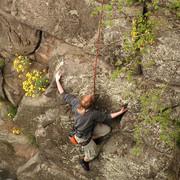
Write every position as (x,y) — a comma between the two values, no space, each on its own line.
(85,103)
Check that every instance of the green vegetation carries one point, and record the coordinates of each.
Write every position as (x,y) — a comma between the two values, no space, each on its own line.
(32,139)
(35,82)
(12,111)
(30,136)
(139,40)
(154,113)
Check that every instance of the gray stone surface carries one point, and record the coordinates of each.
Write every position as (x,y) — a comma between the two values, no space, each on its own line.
(67,20)
(15,37)
(165,56)
(50,120)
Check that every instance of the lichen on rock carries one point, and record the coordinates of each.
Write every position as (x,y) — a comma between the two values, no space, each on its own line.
(60,35)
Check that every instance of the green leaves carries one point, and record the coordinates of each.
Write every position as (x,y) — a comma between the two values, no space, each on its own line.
(154,114)
(108,8)
(12,111)
(138,41)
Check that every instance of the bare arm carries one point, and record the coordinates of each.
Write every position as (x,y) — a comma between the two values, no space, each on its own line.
(113,115)
(59,86)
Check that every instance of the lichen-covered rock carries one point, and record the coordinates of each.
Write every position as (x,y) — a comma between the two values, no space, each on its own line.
(30,108)
(39,168)
(165,60)
(120,163)
(164,56)
(112,40)
(51,120)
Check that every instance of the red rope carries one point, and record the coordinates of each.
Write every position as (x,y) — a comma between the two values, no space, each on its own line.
(97,50)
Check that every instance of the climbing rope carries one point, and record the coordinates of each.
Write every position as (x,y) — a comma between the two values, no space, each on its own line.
(97,51)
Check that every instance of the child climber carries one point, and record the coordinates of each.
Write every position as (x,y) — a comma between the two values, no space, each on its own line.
(87,122)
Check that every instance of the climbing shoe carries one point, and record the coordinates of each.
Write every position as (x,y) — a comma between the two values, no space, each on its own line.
(85,165)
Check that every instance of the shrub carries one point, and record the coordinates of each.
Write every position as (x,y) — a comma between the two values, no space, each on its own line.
(36,82)
(22,63)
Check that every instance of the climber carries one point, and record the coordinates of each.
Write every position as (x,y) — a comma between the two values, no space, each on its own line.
(87,122)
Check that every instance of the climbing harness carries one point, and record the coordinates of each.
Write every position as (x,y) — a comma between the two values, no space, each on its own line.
(97,51)
(72,138)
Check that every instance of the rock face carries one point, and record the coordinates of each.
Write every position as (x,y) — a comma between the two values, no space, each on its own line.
(16,38)
(165,58)
(14,149)
(68,20)
(61,35)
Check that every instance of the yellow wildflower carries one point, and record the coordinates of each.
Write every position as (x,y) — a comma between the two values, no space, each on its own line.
(149,22)
(134,22)
(16,62)
(44,70)
(135,33)
(20,66)
(28,74)
(151,41)
(16,131)
(20,76)
(31,87)
(20,57)
(147,32)
(34,78)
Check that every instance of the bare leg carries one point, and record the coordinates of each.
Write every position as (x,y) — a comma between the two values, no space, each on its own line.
(86,159)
